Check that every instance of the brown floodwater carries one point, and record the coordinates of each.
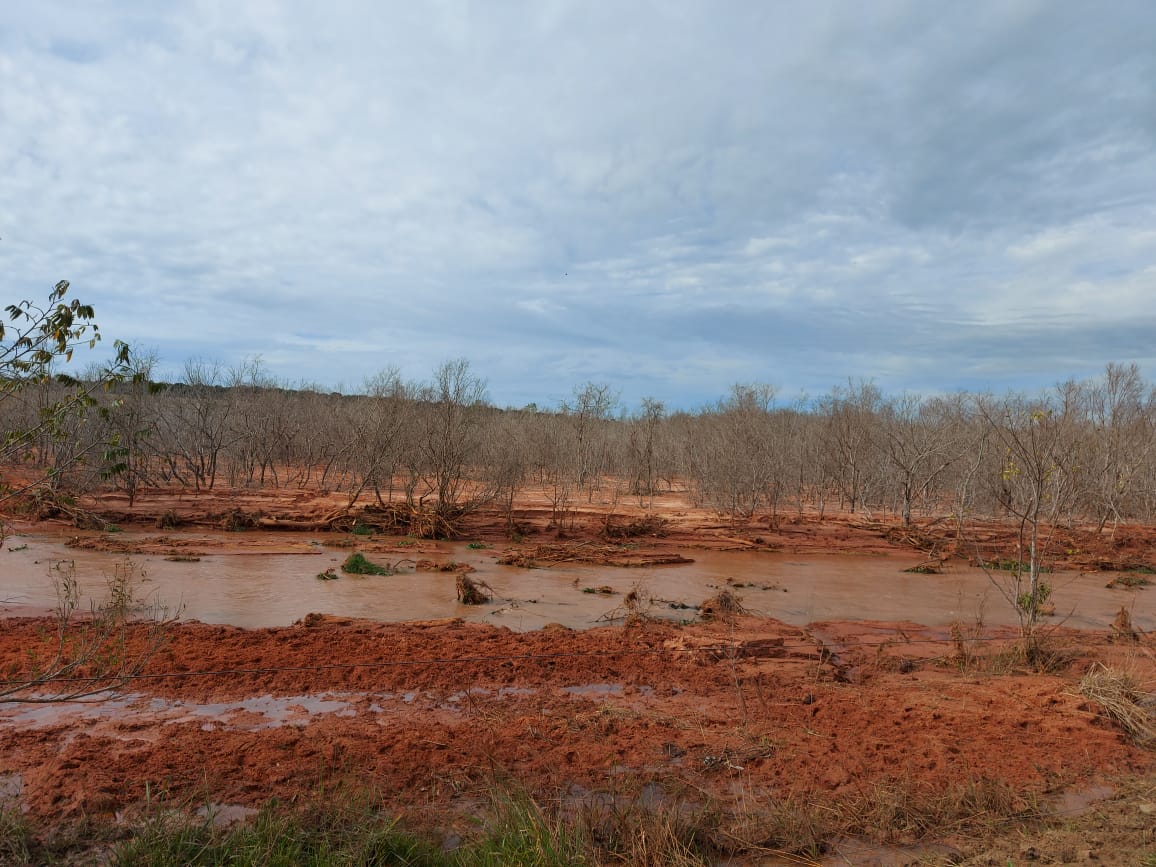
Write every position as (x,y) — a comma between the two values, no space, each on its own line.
(255,590)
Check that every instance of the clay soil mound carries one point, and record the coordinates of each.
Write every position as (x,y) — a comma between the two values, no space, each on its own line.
(428,713)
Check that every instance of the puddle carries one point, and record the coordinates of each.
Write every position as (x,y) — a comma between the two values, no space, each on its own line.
(226,815)
(130,711)
(11,787)
(1080,801)
(594,689)
(278,589)
(455,699)
(251,714)
(866,854)
(652,796)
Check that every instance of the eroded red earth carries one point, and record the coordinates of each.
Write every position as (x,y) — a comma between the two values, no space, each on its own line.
(734,712)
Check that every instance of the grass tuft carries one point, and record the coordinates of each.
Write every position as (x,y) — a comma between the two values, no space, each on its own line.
(1119,694)
(354,833)
(722,606)
(519,832)
(15,836)
(357,564)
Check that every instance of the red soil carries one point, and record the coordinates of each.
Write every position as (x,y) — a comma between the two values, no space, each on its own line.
(674,524)
(710,706)
(435,711)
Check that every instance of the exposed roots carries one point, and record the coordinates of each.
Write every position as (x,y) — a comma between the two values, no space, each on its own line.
(473,591)
(402,519)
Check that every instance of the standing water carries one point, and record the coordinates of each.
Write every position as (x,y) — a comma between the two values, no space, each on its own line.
(276,589)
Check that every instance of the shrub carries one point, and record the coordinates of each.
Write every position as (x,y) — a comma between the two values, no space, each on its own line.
(356,564)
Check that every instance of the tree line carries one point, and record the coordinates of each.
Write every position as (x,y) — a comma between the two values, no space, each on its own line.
(1082,450)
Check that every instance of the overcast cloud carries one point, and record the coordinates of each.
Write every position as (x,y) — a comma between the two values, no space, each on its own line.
(670,197)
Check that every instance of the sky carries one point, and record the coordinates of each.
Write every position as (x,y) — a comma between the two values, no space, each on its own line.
(670,197)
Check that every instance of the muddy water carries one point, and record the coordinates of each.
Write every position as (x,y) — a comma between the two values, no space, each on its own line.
(276,589)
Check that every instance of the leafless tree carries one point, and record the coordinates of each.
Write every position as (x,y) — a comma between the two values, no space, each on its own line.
(921,442)
(733,457)
(587,413)
(851,439)
(1036,483)
(1121,411)
(645,445)
(448,442)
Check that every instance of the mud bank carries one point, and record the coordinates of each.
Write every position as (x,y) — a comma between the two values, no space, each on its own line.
(852,679)
(429,713)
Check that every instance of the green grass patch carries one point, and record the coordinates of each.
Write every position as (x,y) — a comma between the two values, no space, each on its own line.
(1009,565)
(16,839)
(313,836)
(515,833)
(357,564)
(353,827)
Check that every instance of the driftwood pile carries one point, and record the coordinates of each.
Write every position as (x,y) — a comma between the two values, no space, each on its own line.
(595,553)
(403,519)
(648,525)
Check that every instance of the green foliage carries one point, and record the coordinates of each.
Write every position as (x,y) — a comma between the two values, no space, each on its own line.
(333,835)
(15,836)
(519,833)
(357,564)
(1030,601)
(32,345)
(360,529)
(349,834)
(1009,565)
(477,546)
(48,333)
(346,826)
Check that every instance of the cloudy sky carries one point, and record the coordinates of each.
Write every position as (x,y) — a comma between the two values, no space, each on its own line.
(667,196)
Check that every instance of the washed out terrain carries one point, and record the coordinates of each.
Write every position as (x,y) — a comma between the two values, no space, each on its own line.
(603,669)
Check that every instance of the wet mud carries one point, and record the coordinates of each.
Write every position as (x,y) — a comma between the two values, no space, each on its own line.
(850,672)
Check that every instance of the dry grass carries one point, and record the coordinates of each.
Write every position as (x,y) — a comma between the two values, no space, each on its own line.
(1122,628)
(643,836)
(636,607)
(896,812)
(1118,692)
(721,606)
